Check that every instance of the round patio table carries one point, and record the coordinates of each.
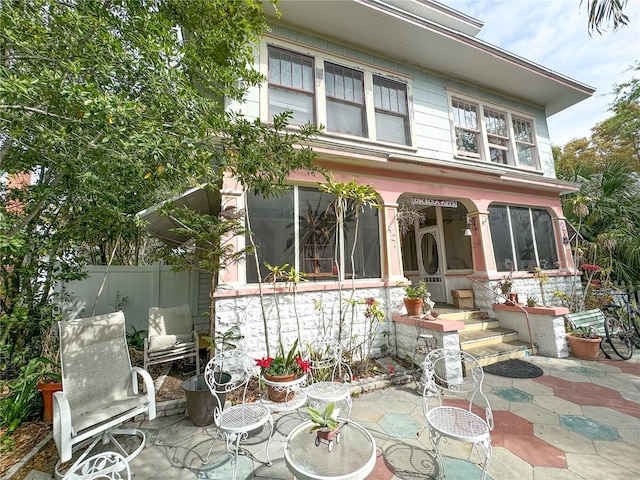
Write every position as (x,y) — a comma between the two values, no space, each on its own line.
(353,458)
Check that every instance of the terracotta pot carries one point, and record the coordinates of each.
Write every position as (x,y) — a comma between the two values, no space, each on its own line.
(47,390)
(413,306)
(584,348)
(279,396)
(327,434)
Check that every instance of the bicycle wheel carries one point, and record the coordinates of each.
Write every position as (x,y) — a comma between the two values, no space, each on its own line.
(635,320)
(618,336)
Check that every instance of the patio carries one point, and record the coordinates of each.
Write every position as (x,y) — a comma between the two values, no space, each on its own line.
(580,420)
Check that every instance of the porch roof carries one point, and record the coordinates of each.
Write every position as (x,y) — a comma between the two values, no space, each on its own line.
(432,36)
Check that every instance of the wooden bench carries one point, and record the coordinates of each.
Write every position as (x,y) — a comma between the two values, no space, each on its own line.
(590,320)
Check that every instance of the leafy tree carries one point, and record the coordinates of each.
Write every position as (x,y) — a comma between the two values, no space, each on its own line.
(607,208)
(606,12)
(108,106)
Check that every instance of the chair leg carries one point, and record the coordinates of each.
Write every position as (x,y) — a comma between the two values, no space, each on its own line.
(435,440)
(270,421)
(349,402)
(488,451)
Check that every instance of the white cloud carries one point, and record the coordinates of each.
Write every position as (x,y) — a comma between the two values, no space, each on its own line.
(553,33)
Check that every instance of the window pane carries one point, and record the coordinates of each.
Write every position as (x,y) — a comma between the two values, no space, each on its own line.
(272,224)
(498,155)
(391,128)
(389,95)
(464,114)
(495,122)
(367,253)
(301,104)
(523,237)
(501,237)
(545,239)
(525,155)
(317,233)
(466,141)
(345,118)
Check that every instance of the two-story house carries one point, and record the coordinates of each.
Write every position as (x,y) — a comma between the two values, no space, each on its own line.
(438,122)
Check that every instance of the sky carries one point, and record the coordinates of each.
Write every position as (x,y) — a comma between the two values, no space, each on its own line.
(553,33)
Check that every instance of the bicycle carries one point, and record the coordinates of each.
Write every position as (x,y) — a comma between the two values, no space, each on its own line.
(622,325)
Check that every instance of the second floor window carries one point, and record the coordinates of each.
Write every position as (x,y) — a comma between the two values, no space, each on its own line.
(491,134)
(346,111)
(291,85)
(392,115)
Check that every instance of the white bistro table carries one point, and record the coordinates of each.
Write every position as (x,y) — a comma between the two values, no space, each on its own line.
(351,459)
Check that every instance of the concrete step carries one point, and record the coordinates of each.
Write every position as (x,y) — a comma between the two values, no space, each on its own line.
(480,338)
(461,315)
(498,352)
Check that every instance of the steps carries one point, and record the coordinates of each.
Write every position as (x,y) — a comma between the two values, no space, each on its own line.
(483,338)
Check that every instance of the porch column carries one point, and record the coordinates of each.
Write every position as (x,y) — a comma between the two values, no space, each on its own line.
(483,260)
(390,239)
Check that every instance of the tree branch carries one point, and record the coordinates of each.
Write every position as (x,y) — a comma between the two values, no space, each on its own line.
(34,110)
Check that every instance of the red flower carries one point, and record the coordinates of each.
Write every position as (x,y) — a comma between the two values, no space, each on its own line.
(303,364)
(264,362)
(590,268)
(390,368)
(370,301)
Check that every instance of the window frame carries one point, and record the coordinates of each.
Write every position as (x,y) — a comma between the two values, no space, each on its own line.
(486,147)
(513,238)
(320,59)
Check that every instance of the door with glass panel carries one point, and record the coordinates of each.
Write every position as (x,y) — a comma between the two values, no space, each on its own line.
(430,262)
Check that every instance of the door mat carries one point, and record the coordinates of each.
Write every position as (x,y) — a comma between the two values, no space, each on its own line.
(514,368)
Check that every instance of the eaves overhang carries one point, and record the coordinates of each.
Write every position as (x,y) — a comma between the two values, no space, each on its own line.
(403,32)
(200,199)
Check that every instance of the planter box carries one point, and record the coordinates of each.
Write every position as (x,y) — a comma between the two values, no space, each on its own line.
(462,298)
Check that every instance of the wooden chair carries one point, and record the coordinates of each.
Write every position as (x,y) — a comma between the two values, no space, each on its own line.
(171,336)
(454,374)
(99,388)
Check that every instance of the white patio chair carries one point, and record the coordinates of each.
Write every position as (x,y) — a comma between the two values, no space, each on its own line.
(104,466)
(171,336)
(237,421)
(99,388)
(327,366)
(456,375)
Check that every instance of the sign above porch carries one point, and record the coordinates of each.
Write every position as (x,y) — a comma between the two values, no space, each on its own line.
(435,202)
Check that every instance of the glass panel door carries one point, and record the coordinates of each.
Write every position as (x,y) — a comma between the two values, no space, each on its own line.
(431,269)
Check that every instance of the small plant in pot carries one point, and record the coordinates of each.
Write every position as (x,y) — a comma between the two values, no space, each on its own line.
(325,424)
(584,343)
(414,298)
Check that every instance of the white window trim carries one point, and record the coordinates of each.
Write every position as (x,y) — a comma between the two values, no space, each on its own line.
(319,57)
(483,144)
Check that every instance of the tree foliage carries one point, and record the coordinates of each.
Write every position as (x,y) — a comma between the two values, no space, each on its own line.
(603,13)
(109,106)
(607,207)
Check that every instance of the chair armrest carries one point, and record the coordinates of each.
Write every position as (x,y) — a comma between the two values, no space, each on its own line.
(148,386)
(62,428)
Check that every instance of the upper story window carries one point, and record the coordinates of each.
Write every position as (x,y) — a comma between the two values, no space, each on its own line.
(392,112)
(291,85)
(523,238)
(492,134)
(344,89)
(343,96)
(465,120)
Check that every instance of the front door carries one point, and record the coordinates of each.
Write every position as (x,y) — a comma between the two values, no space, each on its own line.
(430,262)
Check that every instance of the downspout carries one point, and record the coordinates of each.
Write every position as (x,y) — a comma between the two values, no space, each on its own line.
(526,314)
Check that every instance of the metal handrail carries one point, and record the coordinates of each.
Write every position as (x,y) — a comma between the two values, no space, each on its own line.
(526,314)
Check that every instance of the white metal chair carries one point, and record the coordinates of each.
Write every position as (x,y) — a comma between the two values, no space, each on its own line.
(237,421)
(171,336)
(327,366)
(456,374)
(104,466)
(99,388)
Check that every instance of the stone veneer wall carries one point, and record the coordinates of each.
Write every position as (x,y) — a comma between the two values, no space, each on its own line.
(245,312)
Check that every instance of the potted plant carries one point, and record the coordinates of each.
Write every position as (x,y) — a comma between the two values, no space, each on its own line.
(532,301)
(414,298)
(283,368)
(506,283)
(325,424)
(584,343)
